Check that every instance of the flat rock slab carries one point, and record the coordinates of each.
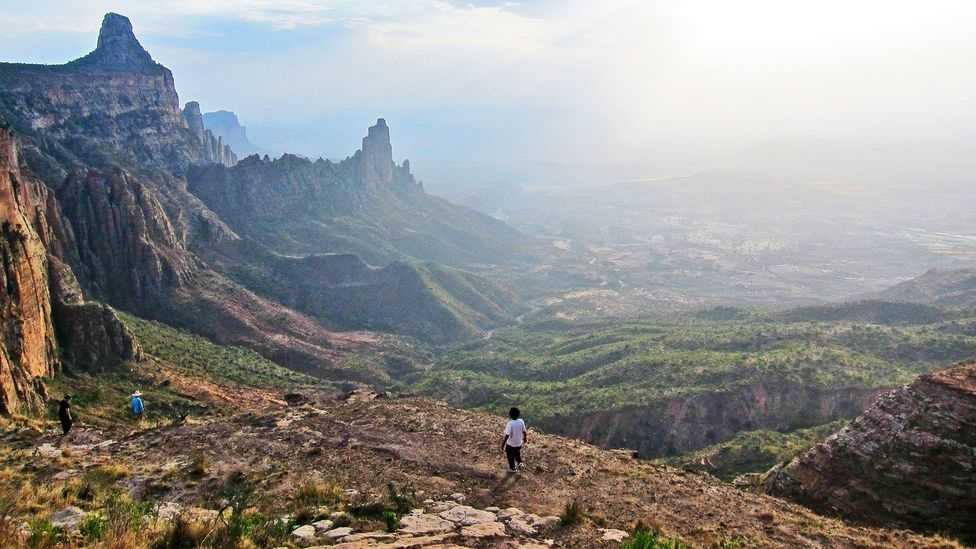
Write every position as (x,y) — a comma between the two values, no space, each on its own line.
(337,533)
(484,530)
(612,534)
(466,516)
(424,524)
(305,534)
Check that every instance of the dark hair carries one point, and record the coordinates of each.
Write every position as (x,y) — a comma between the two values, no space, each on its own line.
(67,397)
(514,413)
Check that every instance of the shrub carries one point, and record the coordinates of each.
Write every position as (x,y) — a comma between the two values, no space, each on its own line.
(93,527)
(403,499)
(571,515)
(198,465)
(315,493)
(181,534)
(645,538)
(43,535)
(392,521)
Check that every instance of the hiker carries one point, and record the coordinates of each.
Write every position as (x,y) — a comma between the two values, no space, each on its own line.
(514,440)
(137,405)
(64,414)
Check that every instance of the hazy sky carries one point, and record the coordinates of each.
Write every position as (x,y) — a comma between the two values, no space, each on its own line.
(547,81)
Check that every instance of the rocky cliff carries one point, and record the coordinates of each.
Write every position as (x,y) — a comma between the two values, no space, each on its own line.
(214,148)
(28,348)
(908,461)
(113,106)
(686,423)
(365,205)
(225,125)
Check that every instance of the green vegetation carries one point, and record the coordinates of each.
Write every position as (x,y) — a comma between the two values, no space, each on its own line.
(201,358)
(752,451)
(645,538)
(626,364)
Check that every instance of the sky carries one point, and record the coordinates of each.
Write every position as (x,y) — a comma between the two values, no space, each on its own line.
(493,90)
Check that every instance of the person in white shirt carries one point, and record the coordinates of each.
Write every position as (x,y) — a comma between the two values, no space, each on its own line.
(514,440)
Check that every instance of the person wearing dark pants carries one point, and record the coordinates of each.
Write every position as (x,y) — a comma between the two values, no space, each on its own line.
(515,438)
(64,414)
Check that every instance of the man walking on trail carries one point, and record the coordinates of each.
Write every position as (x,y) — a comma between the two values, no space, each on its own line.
(514,440)
(64,414)
(137,405)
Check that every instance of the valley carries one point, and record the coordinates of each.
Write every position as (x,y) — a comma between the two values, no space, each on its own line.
(327,349)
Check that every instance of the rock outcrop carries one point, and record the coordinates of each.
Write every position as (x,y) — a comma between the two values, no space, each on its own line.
(686,423)
(376,160)
(908,461)
(28,348)
(954,288)
(225,125)
(214,149)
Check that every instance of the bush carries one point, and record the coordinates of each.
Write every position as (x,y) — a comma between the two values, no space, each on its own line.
(198,465)
(403,499)
(571,515)
(645,538)
(181,534)
(43,534)
(392,521)
(315,493)
(93,527)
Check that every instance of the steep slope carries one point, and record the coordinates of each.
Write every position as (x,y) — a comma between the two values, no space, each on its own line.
(431,302)
(908,461)
(107,137)
(342,454)
(27,345)
(365,205)
(946,288)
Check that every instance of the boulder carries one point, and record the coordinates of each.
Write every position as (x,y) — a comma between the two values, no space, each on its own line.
(337,533)
(484,530)
(304,534)
(68,519)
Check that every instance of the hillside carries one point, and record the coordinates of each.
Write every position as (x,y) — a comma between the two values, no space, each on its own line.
(907,461)
(668,388)
(334,460)
(946,288)
(110,160)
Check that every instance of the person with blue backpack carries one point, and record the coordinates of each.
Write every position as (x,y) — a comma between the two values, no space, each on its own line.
(137,405)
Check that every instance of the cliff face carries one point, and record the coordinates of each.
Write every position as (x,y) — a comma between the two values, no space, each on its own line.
(214,148)
(225,125)
(683,424)
(909,460)
(115,106)
(27,343)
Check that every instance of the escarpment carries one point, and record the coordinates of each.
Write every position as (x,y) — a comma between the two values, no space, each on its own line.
(28,348)
(909,460)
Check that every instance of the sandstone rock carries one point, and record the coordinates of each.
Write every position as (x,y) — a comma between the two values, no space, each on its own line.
(68,518)
(322,526)
(612,534)
(508,513)
(365,536)
(521,526)
(93,337)
(304,534)
(424,524)
(27,343)
(908,461)
(337,533)
(466,516)
(484,530)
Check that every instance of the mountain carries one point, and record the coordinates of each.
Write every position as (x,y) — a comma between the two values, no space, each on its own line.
(908,461)
(136,205)
(224,125)
(947,288)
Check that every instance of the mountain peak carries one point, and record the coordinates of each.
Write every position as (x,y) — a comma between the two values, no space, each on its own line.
(377,156)
(118,47)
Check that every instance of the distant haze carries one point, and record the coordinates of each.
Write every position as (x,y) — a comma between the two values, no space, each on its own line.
(482,92)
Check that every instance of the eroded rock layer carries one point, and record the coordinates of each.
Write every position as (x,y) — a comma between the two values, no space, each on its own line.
(909,460)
